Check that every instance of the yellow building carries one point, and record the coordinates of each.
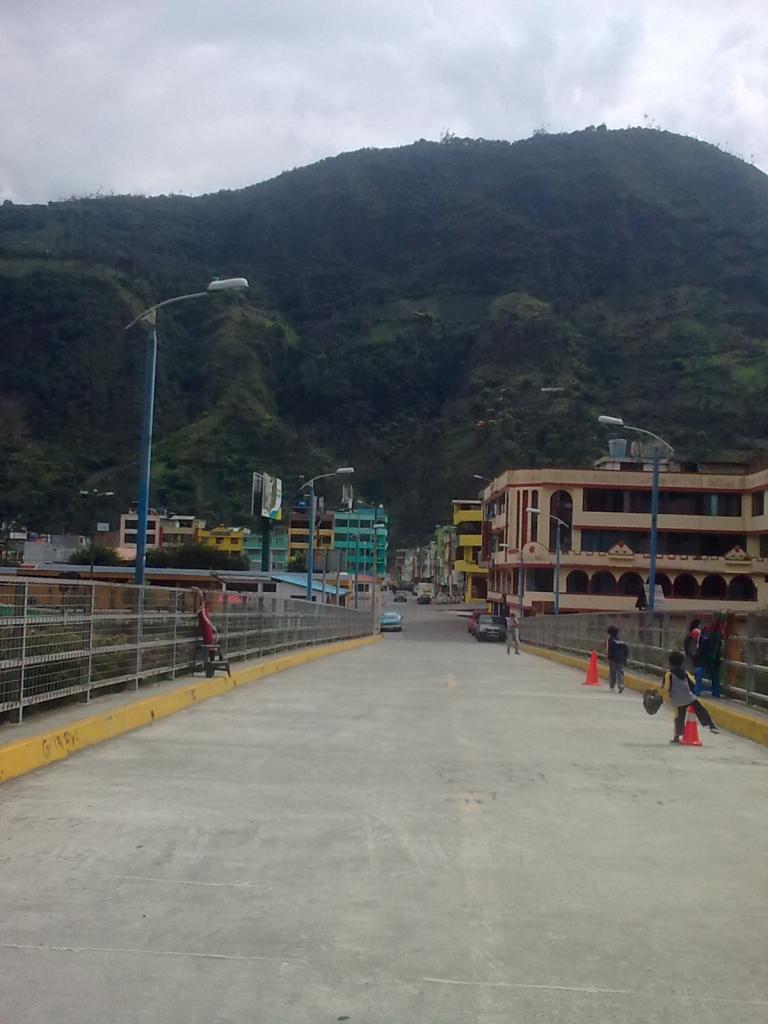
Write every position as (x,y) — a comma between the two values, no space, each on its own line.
(712,536)
(468,521)
(230,539)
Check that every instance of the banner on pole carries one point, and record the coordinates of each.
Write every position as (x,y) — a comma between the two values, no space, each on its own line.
(271,497)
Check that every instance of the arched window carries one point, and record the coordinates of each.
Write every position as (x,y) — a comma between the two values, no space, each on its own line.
(630,584)
(577,582)
(714,587)
(602,583)
(665,583)
(561,506)
(685,585)
(742,588)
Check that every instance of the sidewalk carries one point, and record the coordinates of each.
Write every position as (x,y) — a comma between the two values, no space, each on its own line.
(54,734)
(731,715)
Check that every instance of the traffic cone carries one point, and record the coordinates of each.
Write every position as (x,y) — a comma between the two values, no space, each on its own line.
(691,730)
(592,677)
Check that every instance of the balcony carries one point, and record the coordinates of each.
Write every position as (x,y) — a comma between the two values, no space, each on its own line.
(470,540)
(474,515)
(470,567)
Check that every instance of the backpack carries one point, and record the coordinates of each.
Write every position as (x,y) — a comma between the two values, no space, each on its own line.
(691,645)
(621,651)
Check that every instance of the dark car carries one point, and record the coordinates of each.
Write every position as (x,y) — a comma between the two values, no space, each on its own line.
(401,597)
(491,627)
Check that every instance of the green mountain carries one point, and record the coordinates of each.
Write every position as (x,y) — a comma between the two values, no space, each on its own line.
(406,307)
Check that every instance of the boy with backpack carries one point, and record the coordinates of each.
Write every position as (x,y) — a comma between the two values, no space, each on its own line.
(679,685)
(618,655)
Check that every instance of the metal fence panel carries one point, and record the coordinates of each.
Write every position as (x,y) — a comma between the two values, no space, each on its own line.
(652,635)
(65,637)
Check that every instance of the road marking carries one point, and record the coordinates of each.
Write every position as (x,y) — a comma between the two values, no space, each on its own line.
(185,881)
(591,990)
(151,952)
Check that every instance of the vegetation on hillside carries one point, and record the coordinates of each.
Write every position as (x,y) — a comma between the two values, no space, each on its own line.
(406,308)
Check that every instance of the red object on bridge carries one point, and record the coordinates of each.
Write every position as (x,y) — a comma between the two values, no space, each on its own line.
(593,676)
(691,730)
(207,630)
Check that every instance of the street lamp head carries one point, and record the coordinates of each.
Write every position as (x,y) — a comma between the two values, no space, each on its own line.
(345,470)
(227,283)
(477,476)
(611,421)
(533,511)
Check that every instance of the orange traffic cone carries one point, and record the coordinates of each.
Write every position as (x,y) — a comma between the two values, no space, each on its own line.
(691,730)
(592,677)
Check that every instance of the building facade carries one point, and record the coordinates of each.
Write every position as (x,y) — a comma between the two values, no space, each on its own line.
(712,536)
(298,533)
(278,548)
(229,539)
(354,535)
(468,523)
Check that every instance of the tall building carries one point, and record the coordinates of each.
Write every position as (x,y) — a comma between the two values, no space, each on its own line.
(278,548)
(447,580)
(177,529)
(298,532)
(353,531)
(468,521)
(712,536)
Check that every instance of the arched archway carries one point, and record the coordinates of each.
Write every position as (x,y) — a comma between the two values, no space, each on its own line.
(577,582)
(630,584)
(603,583)
(685,585)
(742,588)
(665,583)
(561,506)
(714,588)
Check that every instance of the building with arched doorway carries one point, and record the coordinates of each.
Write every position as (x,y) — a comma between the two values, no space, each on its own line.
(712,536)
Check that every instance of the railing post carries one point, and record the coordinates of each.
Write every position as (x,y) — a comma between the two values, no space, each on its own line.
(175,632)
(139,634)
(87,697)
(23,671)
(749,657)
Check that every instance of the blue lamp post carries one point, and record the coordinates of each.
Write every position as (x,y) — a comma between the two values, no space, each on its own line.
(616,421)
(148,318)
(559,523)
(310,485)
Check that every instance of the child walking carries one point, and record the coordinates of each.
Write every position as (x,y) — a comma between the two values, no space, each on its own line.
(618,654)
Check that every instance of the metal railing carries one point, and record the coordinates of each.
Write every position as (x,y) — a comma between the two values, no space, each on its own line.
(60,638)
(651,636)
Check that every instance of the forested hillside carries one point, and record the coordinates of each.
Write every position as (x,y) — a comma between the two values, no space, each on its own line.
(406,307)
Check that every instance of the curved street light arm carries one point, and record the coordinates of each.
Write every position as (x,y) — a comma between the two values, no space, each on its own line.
(649,433)
(159,305)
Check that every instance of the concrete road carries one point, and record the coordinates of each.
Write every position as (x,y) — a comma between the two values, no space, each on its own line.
(427,830)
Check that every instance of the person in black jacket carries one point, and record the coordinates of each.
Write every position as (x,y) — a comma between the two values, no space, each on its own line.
(618,653)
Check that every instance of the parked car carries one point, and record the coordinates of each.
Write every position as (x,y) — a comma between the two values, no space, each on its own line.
(472,624)
(400,597)
(491,627)
(391,622)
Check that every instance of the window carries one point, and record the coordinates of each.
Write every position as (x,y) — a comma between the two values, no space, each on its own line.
(535,519)
(269,588)
(541,580)
(758,503)
(764,545)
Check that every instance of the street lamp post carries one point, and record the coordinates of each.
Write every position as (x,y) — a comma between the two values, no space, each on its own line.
(559,523)
(93,495)
(149,319)
(617,421)
(341,471)
(377,529)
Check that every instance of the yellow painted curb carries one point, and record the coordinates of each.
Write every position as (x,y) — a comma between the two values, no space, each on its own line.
(752,727)
(46,747)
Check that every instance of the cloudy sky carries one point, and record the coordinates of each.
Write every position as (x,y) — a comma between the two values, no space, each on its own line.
(196,95)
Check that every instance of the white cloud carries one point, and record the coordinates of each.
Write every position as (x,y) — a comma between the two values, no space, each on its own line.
(187,96)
